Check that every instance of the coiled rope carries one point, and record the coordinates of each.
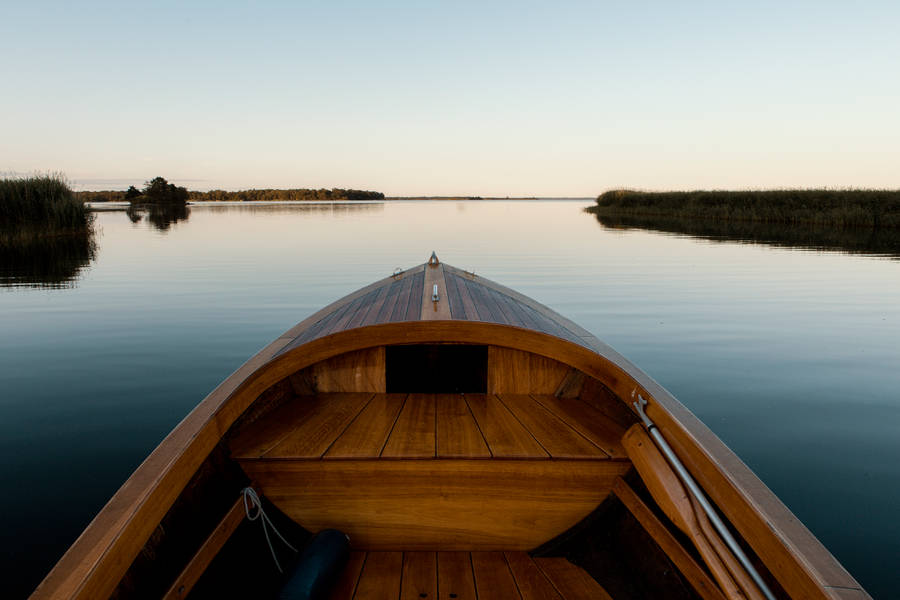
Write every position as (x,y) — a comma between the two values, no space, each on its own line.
(251,500)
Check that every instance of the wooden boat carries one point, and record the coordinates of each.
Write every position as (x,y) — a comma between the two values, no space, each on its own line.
(469,441)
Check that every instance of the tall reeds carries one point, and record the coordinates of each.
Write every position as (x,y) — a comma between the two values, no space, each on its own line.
(42,205)
(832,208)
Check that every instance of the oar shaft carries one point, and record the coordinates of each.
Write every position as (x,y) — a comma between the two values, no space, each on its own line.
(705,504)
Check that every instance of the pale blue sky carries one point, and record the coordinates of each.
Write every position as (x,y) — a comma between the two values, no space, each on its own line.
(487,98)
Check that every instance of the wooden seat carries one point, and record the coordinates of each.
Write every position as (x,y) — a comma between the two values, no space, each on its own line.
(434,471)
(463,576)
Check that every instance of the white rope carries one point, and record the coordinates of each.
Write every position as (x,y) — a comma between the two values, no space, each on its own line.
(251,499)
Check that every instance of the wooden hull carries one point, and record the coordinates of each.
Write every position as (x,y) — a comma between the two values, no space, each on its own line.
(551,357)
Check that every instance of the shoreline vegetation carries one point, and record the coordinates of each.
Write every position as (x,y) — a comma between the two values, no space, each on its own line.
(47,237)
(253,195)
(40,206)
(870,209)
(854,221)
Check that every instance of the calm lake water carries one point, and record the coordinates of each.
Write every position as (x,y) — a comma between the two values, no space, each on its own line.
(791,356)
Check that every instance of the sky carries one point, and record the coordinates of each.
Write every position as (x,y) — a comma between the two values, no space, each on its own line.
(453,98)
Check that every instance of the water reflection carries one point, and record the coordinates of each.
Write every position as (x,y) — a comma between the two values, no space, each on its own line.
(318,208)
(160,216)
(46,262)
(884,242)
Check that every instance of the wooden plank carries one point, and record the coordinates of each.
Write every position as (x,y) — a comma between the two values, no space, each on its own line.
(185,582)
(310,438)
(390,302)
(434,275)
(458,435)
(692,571)
(260,437)
(449,504)
(366,436)
(571,581)
(493,580)
(570,386)
(557,438)
(508,371)
(467,305)
(515,372)
(455,578)
(419,576)
(414,304)
(371,315)
(505,436)
(371,299)
(402,304)
(360,371)
(345,586)
(380,578)
(588,421)
(485,305)
(414,432)
(530,580)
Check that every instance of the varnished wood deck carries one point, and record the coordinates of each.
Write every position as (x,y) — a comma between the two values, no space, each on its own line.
(419,426)
(463,576)
(462,296)
(435,471)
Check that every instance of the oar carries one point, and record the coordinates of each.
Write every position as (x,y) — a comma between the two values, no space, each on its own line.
(738,572)
(673,499)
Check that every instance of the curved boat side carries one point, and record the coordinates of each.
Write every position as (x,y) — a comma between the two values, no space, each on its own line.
(98,559)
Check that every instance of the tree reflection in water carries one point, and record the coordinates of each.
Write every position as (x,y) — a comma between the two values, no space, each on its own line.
(160,216)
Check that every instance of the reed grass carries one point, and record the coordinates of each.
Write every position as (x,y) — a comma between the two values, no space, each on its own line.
(38,206)
(821,207)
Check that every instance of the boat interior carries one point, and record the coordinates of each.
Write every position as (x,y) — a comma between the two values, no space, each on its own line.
(510,481)
(436,435)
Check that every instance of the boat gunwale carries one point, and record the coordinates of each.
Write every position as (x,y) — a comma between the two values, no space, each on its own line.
(96,561)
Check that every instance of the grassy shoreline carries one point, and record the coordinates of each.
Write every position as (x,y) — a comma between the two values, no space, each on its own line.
(42,206)
(870,209)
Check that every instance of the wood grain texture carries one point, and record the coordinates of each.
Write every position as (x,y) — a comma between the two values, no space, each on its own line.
(360,371)
(689,568)
(95,563)
(413,435)
(263,435)
(571,581)
(493,579)
(366,436)
(419,576)
(195,568)
(446,504)
(588,421)
(458,435)
(434,275)
(504,434)
(381,576)
(532,583)
(345,586)
(455,579)
(557,438)
(515,372)
(671,496)
(330,414)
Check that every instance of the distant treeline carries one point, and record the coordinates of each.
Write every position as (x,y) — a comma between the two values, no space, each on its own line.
(294,194)
(833,208)
(246,195)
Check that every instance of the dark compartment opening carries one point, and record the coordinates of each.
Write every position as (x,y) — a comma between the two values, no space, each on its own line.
(436,369)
